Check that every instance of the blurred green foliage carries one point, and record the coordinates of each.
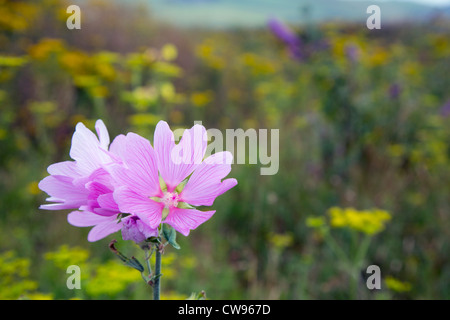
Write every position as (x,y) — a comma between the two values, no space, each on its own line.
(362,130)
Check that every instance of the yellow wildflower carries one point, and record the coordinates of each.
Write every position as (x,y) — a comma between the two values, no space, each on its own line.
(366,221)
(65,256)
(45,47)
(169,52)
(33,188)
(397,285)
(315,222)
(200,99)
(281,241)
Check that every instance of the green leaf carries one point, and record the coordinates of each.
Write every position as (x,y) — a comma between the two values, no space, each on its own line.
(134,263)
(156,276)
(131,262)
(171,235)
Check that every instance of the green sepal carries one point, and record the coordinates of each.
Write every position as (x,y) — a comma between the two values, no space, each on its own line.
(165,213)
(134,263)
(131,262)
(181,186)
(162,184)
(171,235)
(184,205)
(154,240)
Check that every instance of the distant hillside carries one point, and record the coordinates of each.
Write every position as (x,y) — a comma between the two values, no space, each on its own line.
(229,13)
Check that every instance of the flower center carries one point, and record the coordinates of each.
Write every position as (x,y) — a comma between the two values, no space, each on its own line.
(170,199)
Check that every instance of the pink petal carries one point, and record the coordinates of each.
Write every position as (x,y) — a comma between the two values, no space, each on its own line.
(184,220)
(131,232)
(86,151)
(146,230)
(102,133)
(65,168)
(103,226)
(206,184)
(226,185)
(118,148)
(59,206)
(61,189)
(96,189)
(86,219)
(134,229)
(106,201)
(104,212)
(104,229)
(147,210)
(176,162)
(140,171)
(101,176)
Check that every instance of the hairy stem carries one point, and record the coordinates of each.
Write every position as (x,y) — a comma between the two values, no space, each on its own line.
(148,255)
(157,282)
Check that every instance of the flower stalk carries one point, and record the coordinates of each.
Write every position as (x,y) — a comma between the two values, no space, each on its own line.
(157,281)
(146,192)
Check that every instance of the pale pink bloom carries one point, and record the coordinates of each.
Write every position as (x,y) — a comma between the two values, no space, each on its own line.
(84,184)
(100,210)
(137,188)
(134,229)
(66,183)
(102,225)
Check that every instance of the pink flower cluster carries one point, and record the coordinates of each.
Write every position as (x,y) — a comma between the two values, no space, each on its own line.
(129,185)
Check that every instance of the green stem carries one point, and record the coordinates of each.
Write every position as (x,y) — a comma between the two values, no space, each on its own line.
(337,250)
(157,283)
(147,259)
(351,266)
(362,250)
(358,263)
(354,282)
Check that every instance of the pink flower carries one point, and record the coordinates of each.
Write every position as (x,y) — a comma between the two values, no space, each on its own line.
(137,188)
(106,181)
(134,229)
(84,184)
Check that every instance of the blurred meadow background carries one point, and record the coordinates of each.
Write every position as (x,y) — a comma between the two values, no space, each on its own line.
(364,172)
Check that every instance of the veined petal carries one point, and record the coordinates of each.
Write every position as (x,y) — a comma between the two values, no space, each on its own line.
(106,201)
(146,230)
(61,189)
(104,212)
(184,220)
(206,183)
(123,177)
(86,219)
(96,189)
(176,162)
(103,225)
(102,133)
(65,168)
(134,229)
(139,171)
(85,150)
(149,211)
(101,176)
(164,142)
(118,147)
(60,205)
(103,230)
